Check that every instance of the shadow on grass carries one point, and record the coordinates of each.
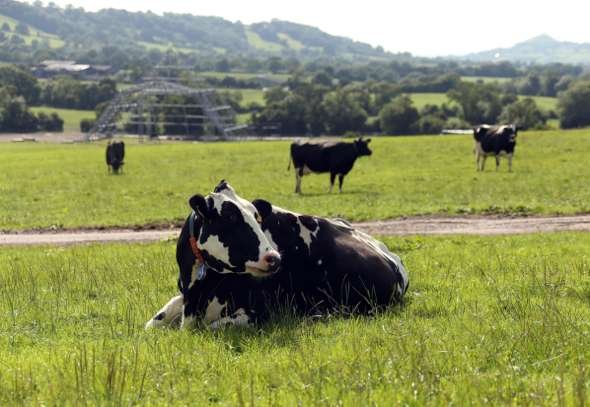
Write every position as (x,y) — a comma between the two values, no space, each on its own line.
(285,329)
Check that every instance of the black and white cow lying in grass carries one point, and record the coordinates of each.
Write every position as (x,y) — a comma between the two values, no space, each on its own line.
(326,266)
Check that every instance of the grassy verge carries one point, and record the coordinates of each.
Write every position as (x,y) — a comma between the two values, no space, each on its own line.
(500,320)
(67,186)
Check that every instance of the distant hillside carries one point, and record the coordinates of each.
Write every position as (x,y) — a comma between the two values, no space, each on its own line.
(542,49)
(74,29)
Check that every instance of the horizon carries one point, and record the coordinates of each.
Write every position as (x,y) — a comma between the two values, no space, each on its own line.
(382,29)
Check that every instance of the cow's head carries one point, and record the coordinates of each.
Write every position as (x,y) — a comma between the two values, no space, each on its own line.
(362,146)
(229,236)
(510,132)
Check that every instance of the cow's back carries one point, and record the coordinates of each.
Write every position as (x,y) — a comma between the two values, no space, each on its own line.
(360,269)
(314,156)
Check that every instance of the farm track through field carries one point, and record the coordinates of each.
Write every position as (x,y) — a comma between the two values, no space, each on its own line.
(472,225)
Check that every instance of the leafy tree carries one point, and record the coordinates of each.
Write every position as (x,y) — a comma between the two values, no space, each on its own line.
(14,115)
(574,105)
(343,112)
(524,113)
(22,29)
(399,116)
(5,27)
(481,103)
(288,114)
(22,81)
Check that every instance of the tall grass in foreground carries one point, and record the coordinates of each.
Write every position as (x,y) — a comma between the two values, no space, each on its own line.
(502,320)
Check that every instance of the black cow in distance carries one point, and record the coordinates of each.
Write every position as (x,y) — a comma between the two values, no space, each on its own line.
(496,141)
(115,156)
(337,158)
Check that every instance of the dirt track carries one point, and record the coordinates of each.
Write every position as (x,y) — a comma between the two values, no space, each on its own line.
(401,227)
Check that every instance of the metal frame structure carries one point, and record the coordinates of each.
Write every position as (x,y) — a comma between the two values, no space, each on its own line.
(141,102)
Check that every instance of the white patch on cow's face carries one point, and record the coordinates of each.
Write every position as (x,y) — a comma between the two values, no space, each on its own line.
(239,318)
(169,315)
(214,310)
(214,245)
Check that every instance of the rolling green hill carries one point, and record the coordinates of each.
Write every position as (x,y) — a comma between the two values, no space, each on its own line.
(73,28)
(541,49)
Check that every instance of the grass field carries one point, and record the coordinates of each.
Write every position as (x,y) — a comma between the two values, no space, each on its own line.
(545,103)
(497,320)
(67,186)
(248,95)
(422,99)
(71,117)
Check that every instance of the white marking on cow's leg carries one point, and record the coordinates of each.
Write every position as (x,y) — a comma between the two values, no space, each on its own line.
(239,318)
(214,310)
(169,315)
(510,162)
(483,161)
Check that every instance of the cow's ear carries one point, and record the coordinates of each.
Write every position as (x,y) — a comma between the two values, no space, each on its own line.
(199,205)
(221,186)
(263,207)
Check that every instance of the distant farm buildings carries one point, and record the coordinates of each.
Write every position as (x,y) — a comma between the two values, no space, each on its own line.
(50,68)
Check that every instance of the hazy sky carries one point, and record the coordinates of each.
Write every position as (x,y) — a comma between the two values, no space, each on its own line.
(422,27)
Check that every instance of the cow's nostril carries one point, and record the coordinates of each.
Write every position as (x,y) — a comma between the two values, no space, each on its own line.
(273,260)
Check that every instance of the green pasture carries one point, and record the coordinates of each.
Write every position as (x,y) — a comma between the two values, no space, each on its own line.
(259,43)
(67,186)
(487,320)
(248,95)
(422,99)
(545,103)
(71,117)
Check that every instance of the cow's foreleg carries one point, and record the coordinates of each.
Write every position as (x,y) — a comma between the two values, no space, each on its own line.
(169,315)
(298,175)
(483,162)
(332,179)
(340,181)
(497,162)
(510,162)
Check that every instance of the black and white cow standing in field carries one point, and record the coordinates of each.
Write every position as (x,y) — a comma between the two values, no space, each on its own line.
(337,158)
(496,141)
(115,155)
(326,265)
(221,240)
